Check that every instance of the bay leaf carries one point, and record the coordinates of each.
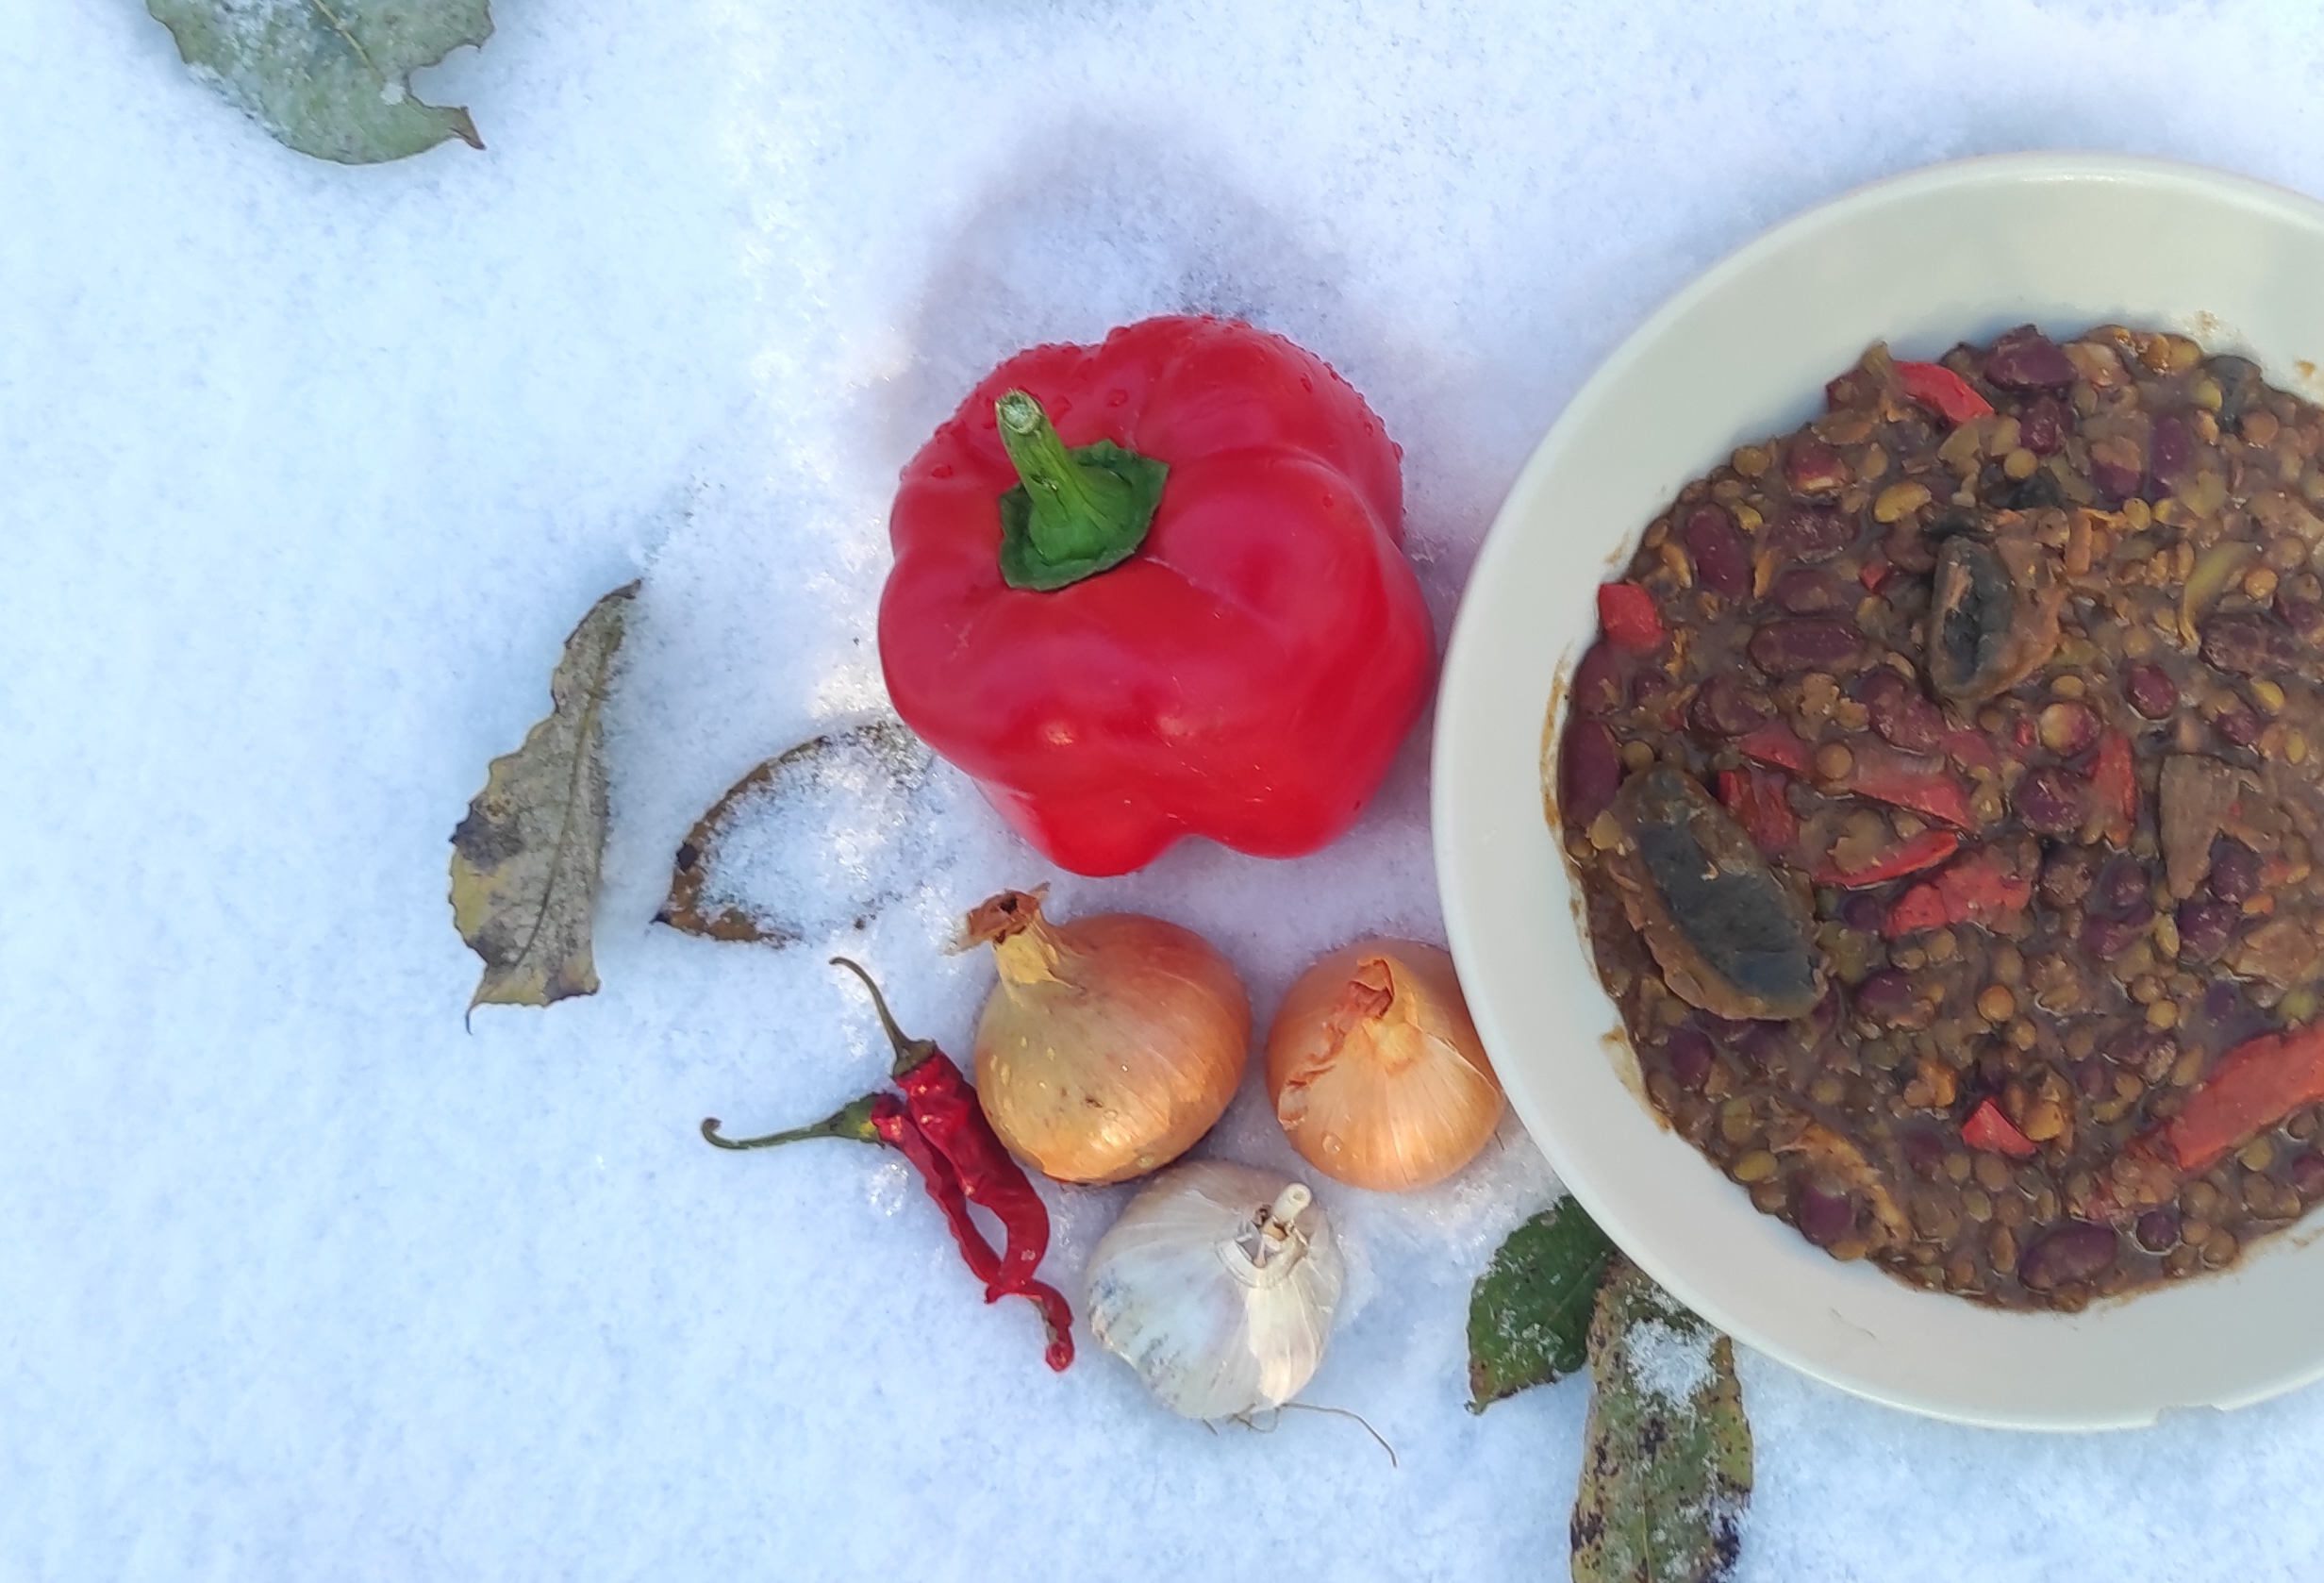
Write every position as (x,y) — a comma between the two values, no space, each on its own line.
(1528,1314)
(1667,1452)
(524,861)
(766,863)
(331,77)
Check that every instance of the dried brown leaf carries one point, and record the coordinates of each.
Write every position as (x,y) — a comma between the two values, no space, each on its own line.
(524,861)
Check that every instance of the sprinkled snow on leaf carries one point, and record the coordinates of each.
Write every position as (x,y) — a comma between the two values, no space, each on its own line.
(1666,1454)
(330,78)
(524,861)
(1528,1314)
(797,848)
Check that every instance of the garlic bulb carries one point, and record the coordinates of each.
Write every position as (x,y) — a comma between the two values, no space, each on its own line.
(1377,1074)
(1218,1285)
(1111,1044)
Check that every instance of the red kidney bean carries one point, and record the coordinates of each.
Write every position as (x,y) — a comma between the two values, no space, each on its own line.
(1813,468)
(2305,617)
(1900,713)
(2223,1001)
(2173,445)
(2108,937)
(2026,359)
(2151,691)
(1785,648)
(2095,1078)
(2115,479)
(1599,687)
(1803,590)
(1809,533)
(2041,428)
(2204,930)
(1924,1152)
(2122,889)
(1864,910)
(1688,1055)
(2308,1176)
(2236,644)
(2048,800)
(1589,771)
(2158,1230)
(1823,1218)
(2235,871)
(2074,1252)
(2067,874)
(1887,998)
(1721,563)
(2239,727)
(1724,708)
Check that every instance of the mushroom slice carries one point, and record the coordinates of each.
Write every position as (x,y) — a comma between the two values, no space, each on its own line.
(1993,615)
(1728,934)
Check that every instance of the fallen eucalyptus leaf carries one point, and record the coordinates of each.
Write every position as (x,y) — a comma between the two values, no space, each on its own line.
(331,77)
(1528,1314)
(772,862)
(524,861)
(1666,1453)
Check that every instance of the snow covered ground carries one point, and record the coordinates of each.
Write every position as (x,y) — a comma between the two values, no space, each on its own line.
(304,473)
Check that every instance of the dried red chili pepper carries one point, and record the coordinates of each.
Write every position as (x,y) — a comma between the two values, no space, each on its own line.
(943,1107)
(2113,780)
(937,1125)
(1943,392)
(1758,799)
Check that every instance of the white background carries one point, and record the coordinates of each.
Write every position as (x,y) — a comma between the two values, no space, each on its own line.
(304,473)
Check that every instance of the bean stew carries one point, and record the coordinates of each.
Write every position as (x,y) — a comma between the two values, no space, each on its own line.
(1944,790)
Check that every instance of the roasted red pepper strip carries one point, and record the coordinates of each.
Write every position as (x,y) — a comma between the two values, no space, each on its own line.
(2113,784)
(1910,856)
(1780,745)
(1982,888)
(943,1107)
(1988,1129)
(1627,612)
(1943,392)
(1909,781)
(1759,801)
(2254,1086)
(1877,770)
(1157,588)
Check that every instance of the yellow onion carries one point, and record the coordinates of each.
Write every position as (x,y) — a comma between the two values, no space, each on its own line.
(1110,1045)
(1376,1071)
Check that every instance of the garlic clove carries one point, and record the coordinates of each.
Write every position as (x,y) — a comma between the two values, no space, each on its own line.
(1218,1286)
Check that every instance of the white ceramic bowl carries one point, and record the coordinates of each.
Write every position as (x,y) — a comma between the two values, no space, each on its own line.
(1957,252)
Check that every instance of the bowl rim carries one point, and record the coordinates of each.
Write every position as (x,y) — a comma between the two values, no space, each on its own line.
(1464,654)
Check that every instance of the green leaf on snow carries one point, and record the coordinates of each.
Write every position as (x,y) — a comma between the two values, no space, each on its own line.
(1666,1453)
(331,77)
(1529,1315)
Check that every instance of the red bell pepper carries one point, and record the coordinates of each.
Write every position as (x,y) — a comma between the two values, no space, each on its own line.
(2255,1086)
(1982,888)
(1989,1130)
(1628,614)
(2113,780)
(1183,610)
(1778,745)
(1942,392)
(1759,802)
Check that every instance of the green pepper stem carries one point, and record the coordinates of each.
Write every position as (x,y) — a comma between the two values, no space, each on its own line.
(852,1121)
(1075,512)
(909,1052)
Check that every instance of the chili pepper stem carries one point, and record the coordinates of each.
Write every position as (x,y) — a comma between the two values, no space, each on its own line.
(1076,508)
(852,1122)
(909,1052)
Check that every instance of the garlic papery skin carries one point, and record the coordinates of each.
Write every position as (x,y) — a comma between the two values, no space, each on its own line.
(1218,1286)
(1376,1071)
(1110,1045)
